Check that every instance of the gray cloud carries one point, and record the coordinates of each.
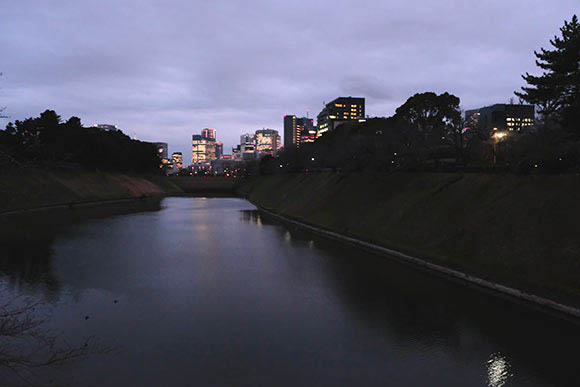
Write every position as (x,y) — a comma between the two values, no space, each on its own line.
(165,69)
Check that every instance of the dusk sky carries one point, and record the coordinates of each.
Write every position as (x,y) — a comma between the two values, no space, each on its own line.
(166,69)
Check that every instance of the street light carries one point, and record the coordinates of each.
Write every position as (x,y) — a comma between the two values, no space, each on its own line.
(498,137)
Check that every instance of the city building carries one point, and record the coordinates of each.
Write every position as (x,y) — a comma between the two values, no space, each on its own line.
(267,141)
(247,146)
(338,111)
(295,128)
(208,134)
(501,117)
(219,150)
(247,138)
(177,159)
(107,127)
(204,147)
(162,150)
(236,153)
(309,132)
(291,131)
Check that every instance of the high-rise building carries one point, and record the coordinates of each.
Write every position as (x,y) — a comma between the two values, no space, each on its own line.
(219,150)
(203,147)
(294,130)
(247,138)
(236,153)
(247,146)
(291,131)
(267,141)
(308,133)
(208,134)
(198,149)
(338,111)
(161,150)
(177,159)
(501,117)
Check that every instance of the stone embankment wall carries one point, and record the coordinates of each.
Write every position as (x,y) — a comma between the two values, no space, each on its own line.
(517,231)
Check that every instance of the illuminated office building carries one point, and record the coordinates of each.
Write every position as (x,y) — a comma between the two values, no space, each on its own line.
(247,146)
(267,141)
(177,159)
(203,147)
(295,129)
(208,134)
(338,111)
(219,150)
(161,150)
(501,117)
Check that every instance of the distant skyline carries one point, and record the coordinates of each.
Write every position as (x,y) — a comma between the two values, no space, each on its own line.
(166,69)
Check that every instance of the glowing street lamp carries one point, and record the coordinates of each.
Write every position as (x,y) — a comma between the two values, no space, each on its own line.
(498,137)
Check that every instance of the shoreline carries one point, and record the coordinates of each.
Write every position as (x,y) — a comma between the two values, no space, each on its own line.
(543,304)
(81,204)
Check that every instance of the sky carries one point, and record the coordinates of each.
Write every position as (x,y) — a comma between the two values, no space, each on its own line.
(162,70)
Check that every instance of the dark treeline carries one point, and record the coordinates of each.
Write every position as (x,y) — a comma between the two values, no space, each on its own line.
(48,141)
(428,132)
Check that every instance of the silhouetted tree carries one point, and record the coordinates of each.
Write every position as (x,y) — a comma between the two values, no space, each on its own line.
(430,114)
(557,91)
(46,139)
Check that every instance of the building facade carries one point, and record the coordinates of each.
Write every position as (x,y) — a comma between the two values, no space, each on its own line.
(295,129)
(219,150)
(162,150)
(292,129)
(208,134)
(177,159)
(501,117)
(267,141)
(340,110)
(309,132)
(203,150)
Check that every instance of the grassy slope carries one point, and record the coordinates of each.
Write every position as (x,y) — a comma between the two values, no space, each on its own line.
(29,188)
(517,230)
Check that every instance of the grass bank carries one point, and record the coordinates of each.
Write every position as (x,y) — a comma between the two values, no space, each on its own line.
(519,231)
(27,188)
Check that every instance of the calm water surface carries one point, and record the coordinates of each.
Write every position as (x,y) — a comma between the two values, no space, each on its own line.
(210,293)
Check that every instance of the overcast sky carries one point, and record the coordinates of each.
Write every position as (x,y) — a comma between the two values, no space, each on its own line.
(165,69)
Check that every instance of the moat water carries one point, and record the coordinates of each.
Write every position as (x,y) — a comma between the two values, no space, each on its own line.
(206,292)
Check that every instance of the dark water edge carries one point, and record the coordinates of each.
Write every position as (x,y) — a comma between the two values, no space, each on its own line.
(212,293)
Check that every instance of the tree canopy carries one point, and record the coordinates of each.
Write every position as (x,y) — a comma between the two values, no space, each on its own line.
(557,91)
(46,139)
(430,114)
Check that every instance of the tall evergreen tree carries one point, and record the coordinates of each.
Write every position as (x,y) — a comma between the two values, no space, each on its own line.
(557,91)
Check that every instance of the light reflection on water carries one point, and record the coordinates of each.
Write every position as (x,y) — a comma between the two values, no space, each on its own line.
(498,370)
(212,293)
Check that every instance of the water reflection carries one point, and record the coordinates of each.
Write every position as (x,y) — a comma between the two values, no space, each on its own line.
(498,371)
(212,293)
(26,242)
(407,305)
